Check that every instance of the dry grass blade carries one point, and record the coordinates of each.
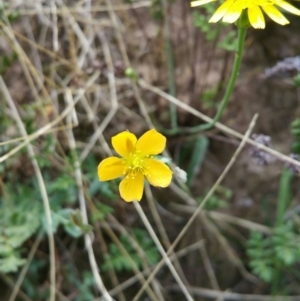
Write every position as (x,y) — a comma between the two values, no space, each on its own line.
(162,231)
(139,275)
(162,251)
(223,217)
(212,294)
(87,236)
(78,9)
(52,123)
(113,98)
(41,183)
(134,279)
(219,126)
(74,74)
(210,193)
(24,270)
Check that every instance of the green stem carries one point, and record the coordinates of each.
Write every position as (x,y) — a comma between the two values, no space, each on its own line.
(284,195)
(170,62)
(242,30)
(282,203)
(235,71)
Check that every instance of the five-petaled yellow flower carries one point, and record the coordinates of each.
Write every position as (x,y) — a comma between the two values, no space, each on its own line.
(231,10)
(137,163)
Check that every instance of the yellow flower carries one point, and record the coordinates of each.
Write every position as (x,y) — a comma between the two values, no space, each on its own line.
(231,10)
(137,163)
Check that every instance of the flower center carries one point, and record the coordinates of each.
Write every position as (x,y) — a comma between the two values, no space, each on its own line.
(134,164)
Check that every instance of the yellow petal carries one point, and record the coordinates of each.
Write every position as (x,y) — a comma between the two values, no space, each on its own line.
(220,12)
(233,12)
(131,187)
(275,14)
(157,173)
(288,7)
(200,2)
(110,168)
(256,17)
(151,143)
(124,143)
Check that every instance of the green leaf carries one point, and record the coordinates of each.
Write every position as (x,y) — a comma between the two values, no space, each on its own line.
(5,247)
(198,155)
(94,187)
(75,231)
(297,80)
(11,263)
(201,21)
(287,256)
(283,195)
(229,43)
(102,212)
(116,259)
(70,220)
(107,191)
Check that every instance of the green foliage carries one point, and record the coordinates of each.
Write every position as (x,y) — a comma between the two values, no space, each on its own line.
(11,262)
(131,73)
(30,282)
(11,16)
(218,200)
(84,287)
(265,253)
(22,214)
(286,244)
(29,118)
(297,80)
(69,220)
(194,152)
(20,218)
(6,61)
(120,262)
(62,190)
(198,155)
(208,97)
(80,285)
(156,10)
(295,130)
(77,222)
(106,189)
(270,256)
(211,31)
(260,253)
(230,41)
(102,212)
(48,149)
(283,195)
(201,21)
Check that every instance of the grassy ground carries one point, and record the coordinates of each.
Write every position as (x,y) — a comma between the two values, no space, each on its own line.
(74,74)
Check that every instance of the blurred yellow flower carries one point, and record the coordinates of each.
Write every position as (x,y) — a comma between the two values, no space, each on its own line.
(137,163)
(231,10)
